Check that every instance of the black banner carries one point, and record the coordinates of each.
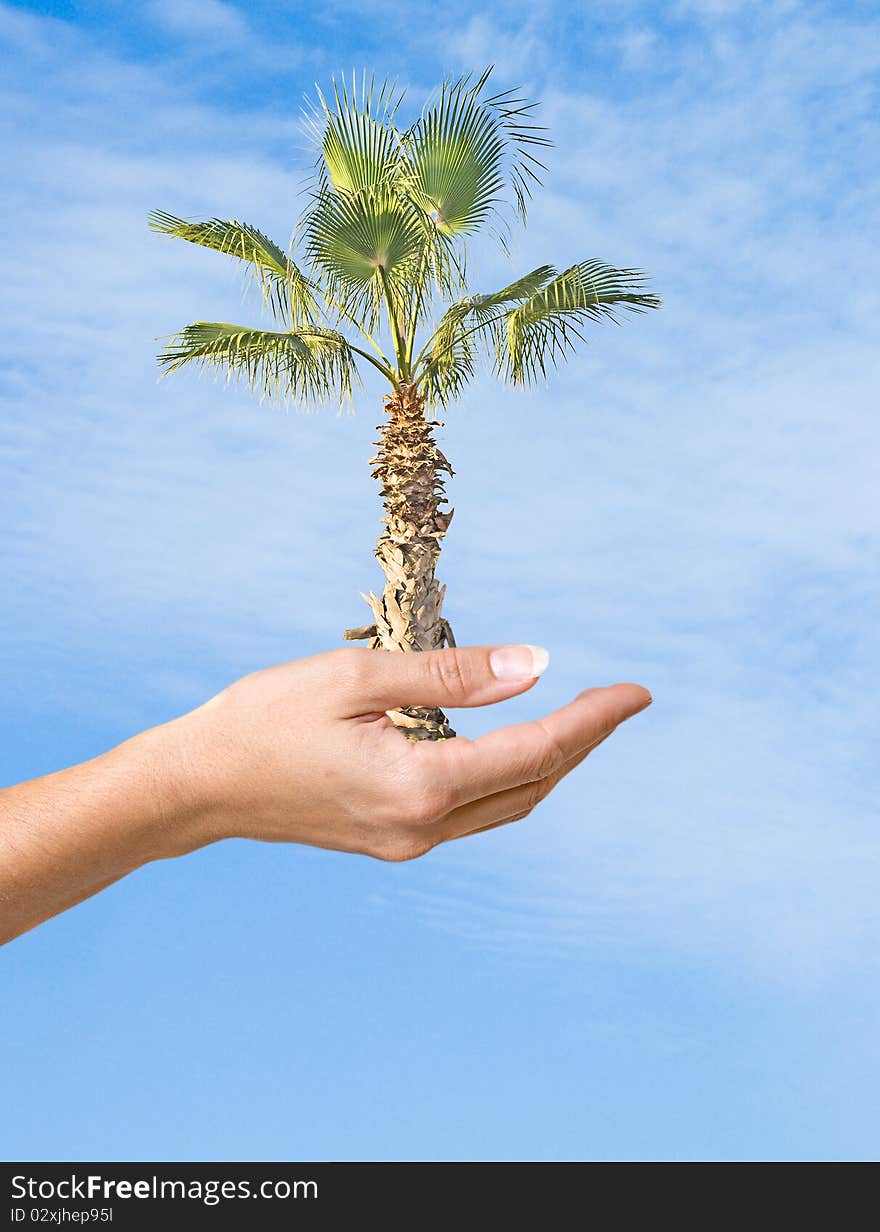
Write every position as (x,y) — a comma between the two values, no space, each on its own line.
(163,1197)
(116,1197)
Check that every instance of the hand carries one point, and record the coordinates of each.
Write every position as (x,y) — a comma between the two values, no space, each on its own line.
(305,752)
(302,753)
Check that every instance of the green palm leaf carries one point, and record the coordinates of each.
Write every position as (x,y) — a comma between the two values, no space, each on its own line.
(286,290)
(474,308)
(544,329)
(299,366)
(449,366)
(358,241)
(358,140)
(465,150)
(448,359)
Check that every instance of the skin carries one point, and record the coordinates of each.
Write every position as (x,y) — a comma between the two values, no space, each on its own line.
(299,753)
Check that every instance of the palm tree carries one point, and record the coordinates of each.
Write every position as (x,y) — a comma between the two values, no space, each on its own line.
(383,282)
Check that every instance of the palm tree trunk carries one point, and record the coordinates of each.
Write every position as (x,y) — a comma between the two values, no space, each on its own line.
(409,466)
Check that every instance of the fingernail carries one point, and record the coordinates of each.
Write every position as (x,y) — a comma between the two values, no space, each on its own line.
(644,703)
(518,662)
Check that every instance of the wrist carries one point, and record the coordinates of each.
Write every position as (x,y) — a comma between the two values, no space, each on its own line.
(176,815)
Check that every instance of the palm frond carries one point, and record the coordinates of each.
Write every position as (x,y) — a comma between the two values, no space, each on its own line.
(545,328)
(355,240)
(307,364)
(455,337)
(479,307)
(513,114)
(448,367)
(358,139)
(286,291)
(464,151)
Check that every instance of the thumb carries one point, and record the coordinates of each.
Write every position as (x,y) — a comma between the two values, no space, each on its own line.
(457,676)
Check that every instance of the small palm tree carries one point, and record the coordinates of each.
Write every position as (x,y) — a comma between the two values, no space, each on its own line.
(383,282)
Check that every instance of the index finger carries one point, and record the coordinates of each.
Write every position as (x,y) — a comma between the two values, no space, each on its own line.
(526,752)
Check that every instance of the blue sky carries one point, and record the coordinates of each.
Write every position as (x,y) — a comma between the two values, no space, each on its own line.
(675,957)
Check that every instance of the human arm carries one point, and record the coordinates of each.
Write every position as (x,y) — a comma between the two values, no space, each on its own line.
(303,752)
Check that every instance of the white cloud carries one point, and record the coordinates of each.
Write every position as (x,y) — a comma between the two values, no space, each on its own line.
(637,45)
(514,52)
(212,19)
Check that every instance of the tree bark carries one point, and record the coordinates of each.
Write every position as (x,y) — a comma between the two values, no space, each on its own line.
(408,617)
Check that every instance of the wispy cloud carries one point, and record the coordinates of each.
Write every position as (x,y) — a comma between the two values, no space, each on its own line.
(211,19)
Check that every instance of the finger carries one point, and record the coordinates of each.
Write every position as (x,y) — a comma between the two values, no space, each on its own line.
(503,807)
(457,676)
(493,825)
(511,756)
